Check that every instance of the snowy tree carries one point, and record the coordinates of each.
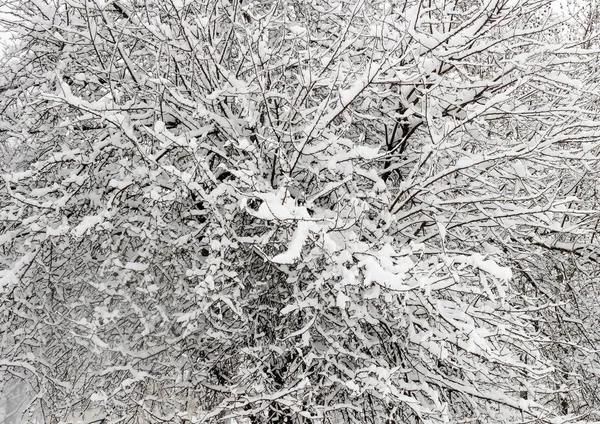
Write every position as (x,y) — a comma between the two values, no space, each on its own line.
(294,211)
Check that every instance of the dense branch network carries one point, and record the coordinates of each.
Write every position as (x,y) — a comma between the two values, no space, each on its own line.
(299,212)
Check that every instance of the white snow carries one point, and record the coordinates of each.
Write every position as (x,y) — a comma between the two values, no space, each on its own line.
(159,127)
(88,222)
(477,260)
(295,245)
(136,266)
(347,96)
(279,206)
